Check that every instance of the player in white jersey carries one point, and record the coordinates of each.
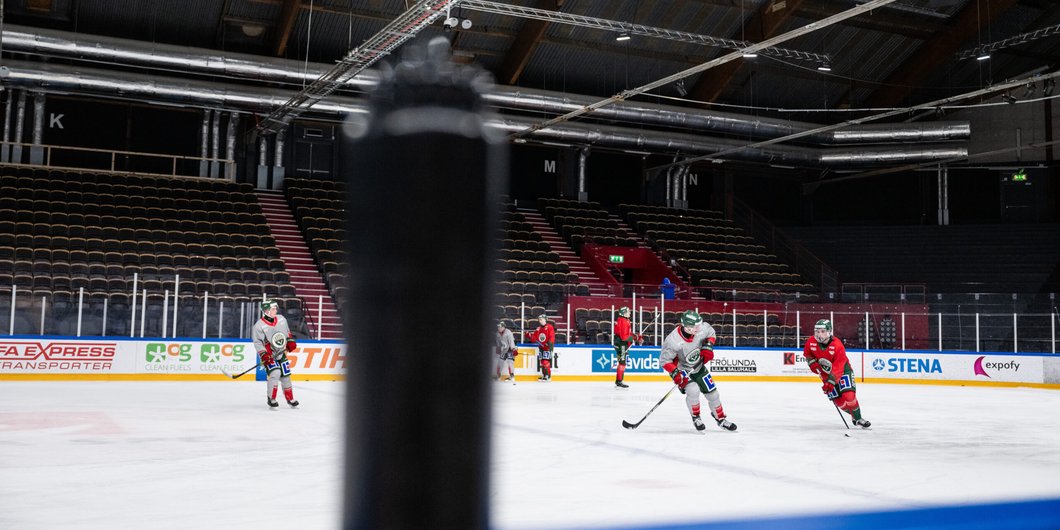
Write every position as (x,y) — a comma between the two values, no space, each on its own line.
(506,351)
(272,340)
(685,354)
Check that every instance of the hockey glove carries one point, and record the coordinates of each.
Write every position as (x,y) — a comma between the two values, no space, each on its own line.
(707,353)
(266,358)
(681,379)
(706,350)
(828,388)
(291,345)
(826,365)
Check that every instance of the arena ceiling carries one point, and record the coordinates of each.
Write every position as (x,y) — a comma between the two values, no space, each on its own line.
(893,57)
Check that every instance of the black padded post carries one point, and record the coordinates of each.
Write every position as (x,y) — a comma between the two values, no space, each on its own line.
(424,179)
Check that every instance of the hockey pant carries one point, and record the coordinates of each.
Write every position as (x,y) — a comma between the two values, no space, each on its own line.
(621,352)
(279,375)
(544,362)
(505,365)
(844,395)
(546,368)
(702,383)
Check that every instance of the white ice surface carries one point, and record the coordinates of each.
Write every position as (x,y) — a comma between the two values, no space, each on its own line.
(210,455)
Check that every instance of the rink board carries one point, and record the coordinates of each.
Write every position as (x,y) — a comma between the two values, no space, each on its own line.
(54,358)
(156,359)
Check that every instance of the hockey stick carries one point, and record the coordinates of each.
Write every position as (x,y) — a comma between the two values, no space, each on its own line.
(241,374)
(649,324)
(629,425)
(842,417)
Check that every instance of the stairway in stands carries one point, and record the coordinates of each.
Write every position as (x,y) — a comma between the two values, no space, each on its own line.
(597,287)
(308,284)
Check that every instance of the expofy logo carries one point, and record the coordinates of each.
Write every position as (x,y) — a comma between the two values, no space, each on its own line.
(980,366)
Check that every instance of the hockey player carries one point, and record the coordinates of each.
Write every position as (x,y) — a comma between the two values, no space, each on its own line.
(684,356)
(545,337)
(506,351)
(272,340)
(622,339)
(827,357)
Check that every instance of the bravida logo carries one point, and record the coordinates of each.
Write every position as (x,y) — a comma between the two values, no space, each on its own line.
(642,361)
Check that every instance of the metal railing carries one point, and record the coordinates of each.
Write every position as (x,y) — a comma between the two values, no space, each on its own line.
(172,312)
(109,160)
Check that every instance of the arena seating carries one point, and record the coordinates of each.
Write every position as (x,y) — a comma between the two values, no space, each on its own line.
(718,255)
(64,231)
(596,326)
(581,222)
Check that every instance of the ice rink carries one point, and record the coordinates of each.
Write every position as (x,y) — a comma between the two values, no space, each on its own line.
(210,454)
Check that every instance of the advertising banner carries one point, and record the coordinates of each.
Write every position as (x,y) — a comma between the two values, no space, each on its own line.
(63,357)
(44,358)
(158,358)
(954,366)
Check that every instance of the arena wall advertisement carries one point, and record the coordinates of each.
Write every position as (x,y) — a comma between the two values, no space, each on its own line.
(167,359)
(115,358)
(598,362)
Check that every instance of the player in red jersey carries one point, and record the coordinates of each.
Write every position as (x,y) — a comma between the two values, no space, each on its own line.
(622,339)
(545,337)
(827,357)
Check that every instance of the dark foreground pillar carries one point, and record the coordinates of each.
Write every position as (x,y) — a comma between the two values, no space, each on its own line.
(424,179)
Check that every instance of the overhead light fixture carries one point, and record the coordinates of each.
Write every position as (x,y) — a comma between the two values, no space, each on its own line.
(983,56)
(825,67)
(749,55)
(679,86)
(252,29)
(1028,90)
(623,37)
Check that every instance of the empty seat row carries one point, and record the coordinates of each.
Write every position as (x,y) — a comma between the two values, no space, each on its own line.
(103,214)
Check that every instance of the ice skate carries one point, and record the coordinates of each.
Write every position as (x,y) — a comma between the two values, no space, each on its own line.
(863,423)
(293,403)
(724,423)
(698,422)
(272,402)
(620,384)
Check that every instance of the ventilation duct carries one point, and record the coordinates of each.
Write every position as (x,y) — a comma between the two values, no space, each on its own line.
(65,79)
(188,60)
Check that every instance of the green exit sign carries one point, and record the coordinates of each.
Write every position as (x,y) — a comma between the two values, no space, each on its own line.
(1019,176)
(616,258)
